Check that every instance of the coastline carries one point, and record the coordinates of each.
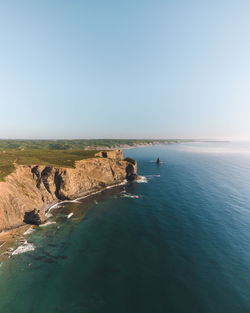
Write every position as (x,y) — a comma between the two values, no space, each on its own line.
(35,190)
(12,238)
(82,196)
(151,144)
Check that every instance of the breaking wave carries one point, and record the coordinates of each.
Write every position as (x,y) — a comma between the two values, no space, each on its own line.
(29,231)
(151,176)
(24,248)
(142,179)
(75,201)
(128,195)
(116,185)
(48,214)
(48,223)
(70,214)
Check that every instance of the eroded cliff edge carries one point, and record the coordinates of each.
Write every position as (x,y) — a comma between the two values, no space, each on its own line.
(37,187)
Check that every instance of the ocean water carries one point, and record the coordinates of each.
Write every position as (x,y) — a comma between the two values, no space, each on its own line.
(178,241)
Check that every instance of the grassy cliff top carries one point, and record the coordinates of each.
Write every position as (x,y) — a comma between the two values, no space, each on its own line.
(61,153)
(60,158)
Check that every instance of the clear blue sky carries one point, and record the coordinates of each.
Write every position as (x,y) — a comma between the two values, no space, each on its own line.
(128,69)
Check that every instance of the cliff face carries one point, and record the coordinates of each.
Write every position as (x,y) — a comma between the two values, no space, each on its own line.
(37,187)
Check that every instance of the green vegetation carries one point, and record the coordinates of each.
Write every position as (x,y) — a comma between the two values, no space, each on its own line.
(60,158)
(61,153)
(77,144)
(130,160)
(6,165)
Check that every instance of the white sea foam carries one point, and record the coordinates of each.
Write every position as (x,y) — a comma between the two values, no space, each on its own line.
(91,194)
(29,231)
(116,185)
(24,248)
(75,201)
(101,190)
(70,214)
(128,195)
(48,214)
(48,223)
(56,205)
(142,179)
(70,201)
(151,176)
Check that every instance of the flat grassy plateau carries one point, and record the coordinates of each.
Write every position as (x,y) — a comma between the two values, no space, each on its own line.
(60,158)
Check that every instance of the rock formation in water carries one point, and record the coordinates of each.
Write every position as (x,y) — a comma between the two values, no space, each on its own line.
(28,192)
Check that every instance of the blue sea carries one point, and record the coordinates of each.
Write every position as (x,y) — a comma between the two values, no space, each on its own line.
(176,241)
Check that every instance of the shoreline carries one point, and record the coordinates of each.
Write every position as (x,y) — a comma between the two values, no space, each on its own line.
(142,145)
(126,146)
(10,238)
(82,196)
(21,192)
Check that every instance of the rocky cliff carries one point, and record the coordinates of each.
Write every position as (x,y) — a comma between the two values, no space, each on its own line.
(111,154)
(29,191)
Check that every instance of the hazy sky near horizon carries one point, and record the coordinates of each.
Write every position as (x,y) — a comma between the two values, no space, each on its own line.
(124,69)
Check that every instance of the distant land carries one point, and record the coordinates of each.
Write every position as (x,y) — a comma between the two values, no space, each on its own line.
(86,144)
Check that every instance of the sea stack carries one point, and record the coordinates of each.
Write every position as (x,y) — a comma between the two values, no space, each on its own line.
(158,161)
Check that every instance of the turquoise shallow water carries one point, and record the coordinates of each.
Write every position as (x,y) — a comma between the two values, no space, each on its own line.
(178,243)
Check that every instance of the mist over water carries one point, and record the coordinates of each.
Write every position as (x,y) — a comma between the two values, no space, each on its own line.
(176,242)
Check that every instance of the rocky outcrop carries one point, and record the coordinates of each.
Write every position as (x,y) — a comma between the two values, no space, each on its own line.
(33,217)
(111,154)
(34,188)
(131,172)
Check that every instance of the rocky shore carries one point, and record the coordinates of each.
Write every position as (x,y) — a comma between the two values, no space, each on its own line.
(29,191)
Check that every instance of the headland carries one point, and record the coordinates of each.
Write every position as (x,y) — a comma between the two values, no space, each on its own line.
(28,192)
